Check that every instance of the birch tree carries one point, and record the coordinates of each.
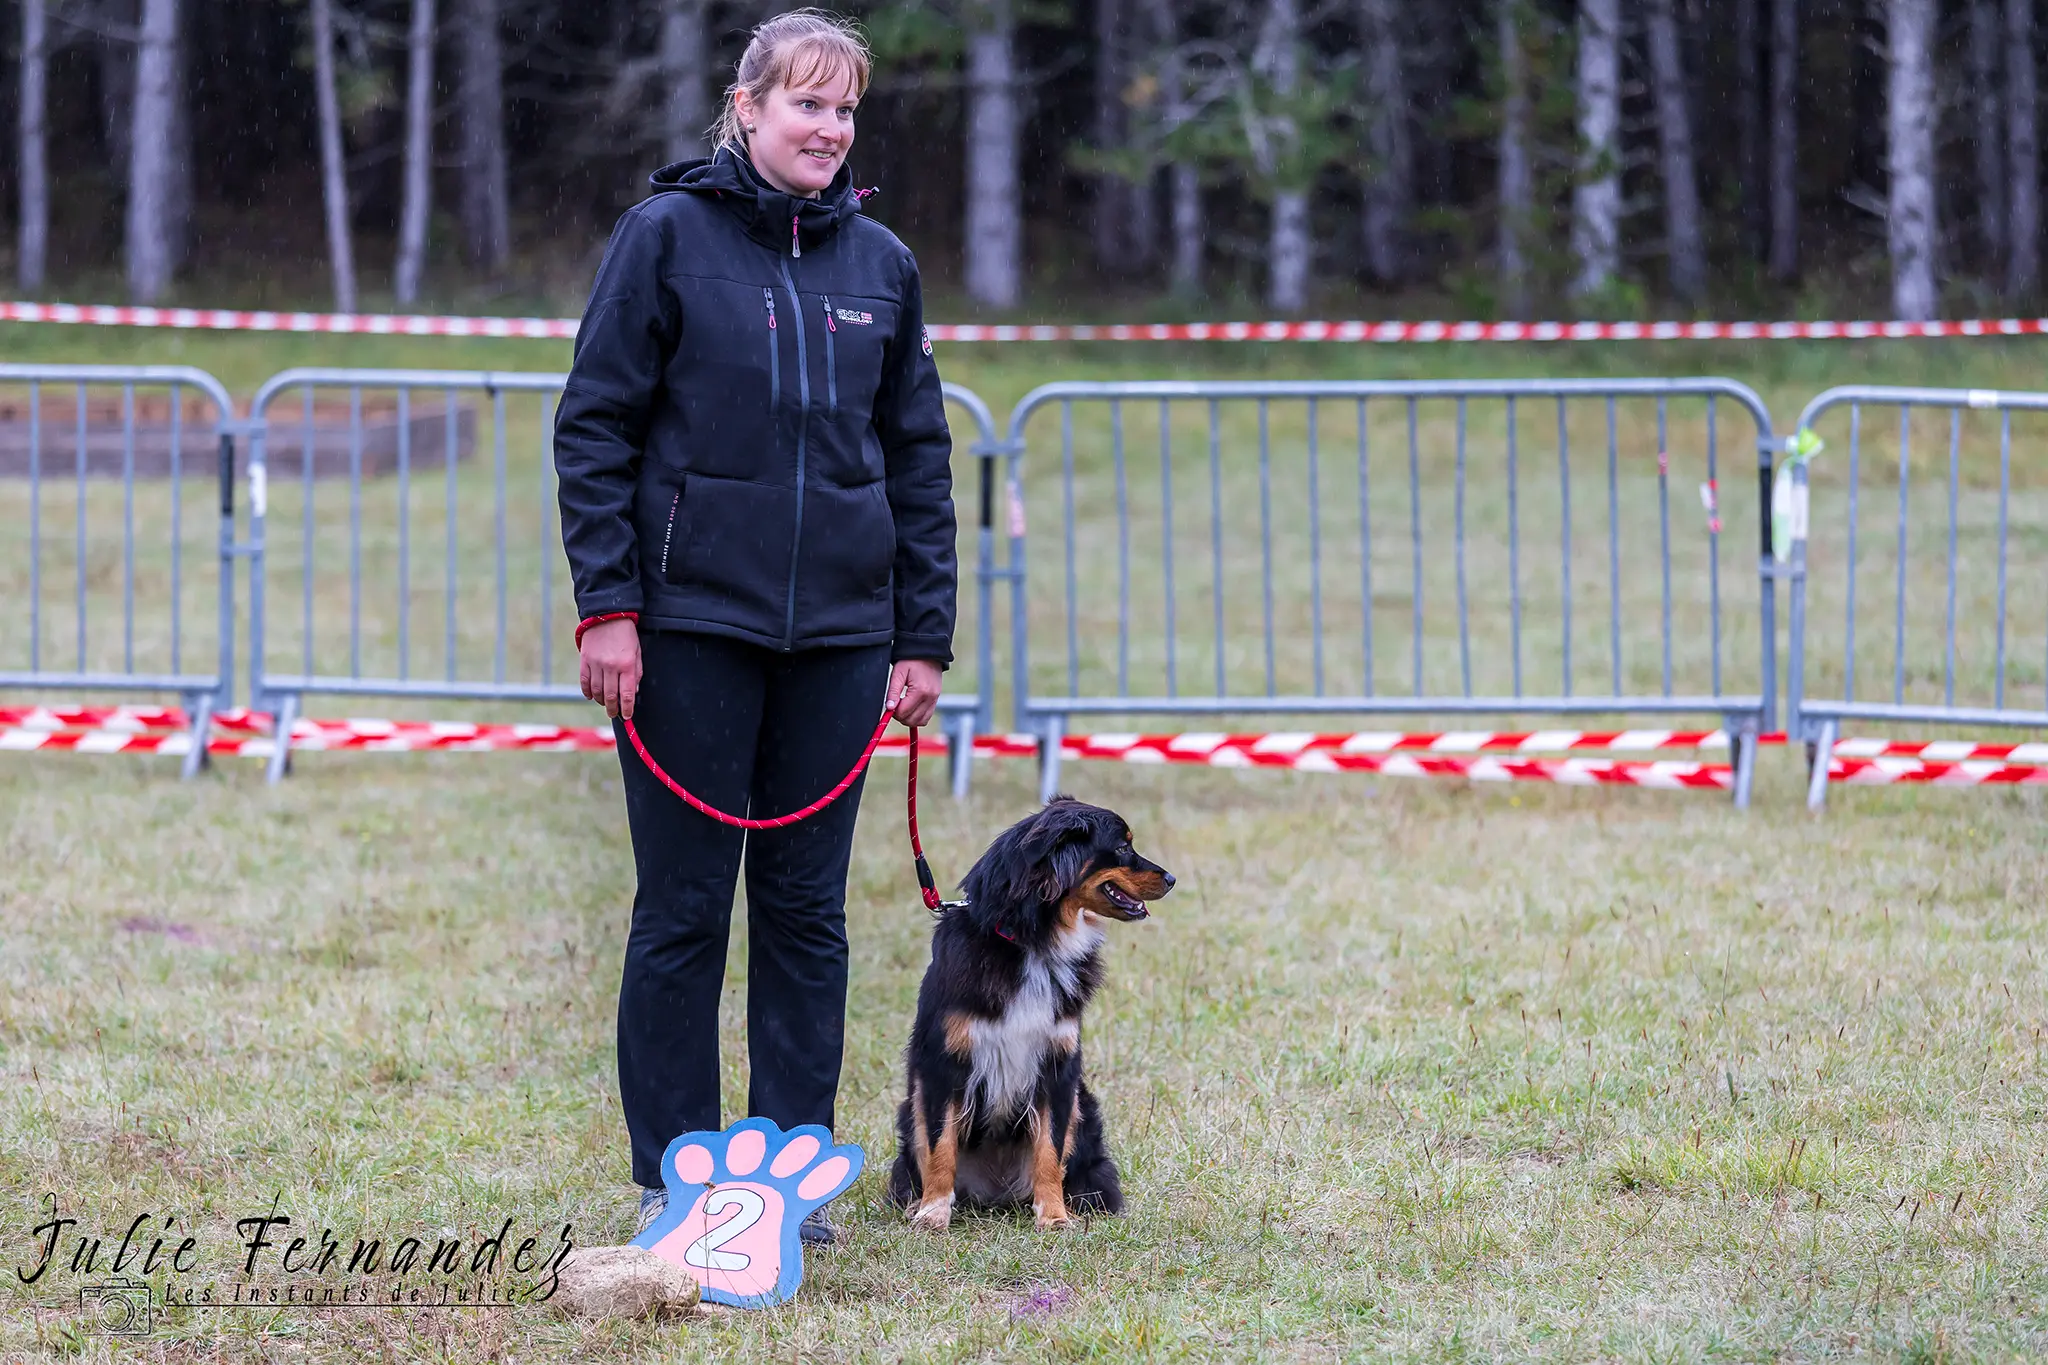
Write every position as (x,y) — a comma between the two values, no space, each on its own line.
(33,228)
(1278,60)
(1749,142)
(416,205)
(994,254)
(1684,241)
(1111,206)
(1390,187)
(1596,195)
(150,150)
(1784,176)
(1909,129)
(486,212)
(1515,186)
(685,79)
(333,169)
(1987,133)
(2023,148)
(1179,106)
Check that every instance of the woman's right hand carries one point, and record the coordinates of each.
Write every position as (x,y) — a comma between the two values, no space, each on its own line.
(611,665)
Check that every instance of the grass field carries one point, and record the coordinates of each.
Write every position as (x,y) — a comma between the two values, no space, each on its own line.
(1401,1071)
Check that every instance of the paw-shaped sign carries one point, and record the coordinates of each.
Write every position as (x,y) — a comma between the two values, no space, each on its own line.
(734,1202)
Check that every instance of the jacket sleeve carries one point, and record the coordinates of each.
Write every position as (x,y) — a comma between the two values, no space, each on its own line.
(623,345)
(917,450)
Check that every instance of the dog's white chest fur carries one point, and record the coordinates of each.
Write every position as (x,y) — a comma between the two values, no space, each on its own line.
(1008,1052)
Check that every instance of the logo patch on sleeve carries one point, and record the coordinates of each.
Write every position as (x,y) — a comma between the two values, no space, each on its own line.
(857,318)
(927,339)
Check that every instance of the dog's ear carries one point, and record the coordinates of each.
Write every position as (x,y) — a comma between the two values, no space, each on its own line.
(1057,846)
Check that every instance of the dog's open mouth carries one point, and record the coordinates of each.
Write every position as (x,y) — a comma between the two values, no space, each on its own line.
(1130,905)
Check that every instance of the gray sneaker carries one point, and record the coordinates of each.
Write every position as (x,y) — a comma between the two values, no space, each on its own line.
(653,1203)
(817,1230)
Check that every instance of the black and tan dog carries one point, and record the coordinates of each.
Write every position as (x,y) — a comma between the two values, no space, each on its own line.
(998,1115)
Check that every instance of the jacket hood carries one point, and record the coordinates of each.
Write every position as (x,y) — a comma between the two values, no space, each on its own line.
(781,222)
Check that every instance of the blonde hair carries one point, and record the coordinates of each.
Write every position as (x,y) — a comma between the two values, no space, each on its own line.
(802,47)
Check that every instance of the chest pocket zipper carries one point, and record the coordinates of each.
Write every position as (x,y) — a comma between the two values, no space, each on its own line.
(831,361)
(774,354)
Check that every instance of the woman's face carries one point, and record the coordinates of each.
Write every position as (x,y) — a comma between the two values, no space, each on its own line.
(801,134)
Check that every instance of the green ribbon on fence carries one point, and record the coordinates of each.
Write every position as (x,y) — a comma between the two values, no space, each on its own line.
(1789,498)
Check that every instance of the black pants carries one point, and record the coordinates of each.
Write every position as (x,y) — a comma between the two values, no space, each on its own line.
(752,732)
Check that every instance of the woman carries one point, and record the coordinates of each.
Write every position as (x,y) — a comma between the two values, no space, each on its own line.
(757,505)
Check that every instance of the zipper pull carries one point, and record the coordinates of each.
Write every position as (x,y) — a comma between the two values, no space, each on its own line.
(769,296)
(796,246)
(830,325)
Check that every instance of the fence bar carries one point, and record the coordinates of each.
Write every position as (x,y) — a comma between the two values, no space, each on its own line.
(177,524)
(80,534)
(1215,536)
(1714,536)
(450,444)
(1855,485)
(1315,550)
(1613,549)
(1123,550)
(1458,535)
(1564,558)
(547,544)
(306,505)
(2004,506)
(1899,639)
(128,528)
(1415,539)
(1365,545)
(405,533)
(355,531)
(1664,531)
(1067,487)
(1266,534)
(1515,555)
(1166,537)
(35,527)
(1948,670)
(498,483)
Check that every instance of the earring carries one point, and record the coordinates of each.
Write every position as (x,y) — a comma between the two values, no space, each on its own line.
(750,130)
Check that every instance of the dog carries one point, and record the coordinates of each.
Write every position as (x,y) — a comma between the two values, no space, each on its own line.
(997,1114)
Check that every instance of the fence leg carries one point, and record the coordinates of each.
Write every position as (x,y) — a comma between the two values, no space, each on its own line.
(1745,765)
(1050,740)
(196,757)
(281,741)
(1823,755)
(960,755)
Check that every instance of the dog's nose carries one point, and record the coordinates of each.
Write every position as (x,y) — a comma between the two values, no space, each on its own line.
(1169,880)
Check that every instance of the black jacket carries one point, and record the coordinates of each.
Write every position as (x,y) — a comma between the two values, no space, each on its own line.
(753,441)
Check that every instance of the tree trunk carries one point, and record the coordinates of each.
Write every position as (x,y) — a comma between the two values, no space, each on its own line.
(1515,191)
(2023,148)
(1287,251)
(1596,197)
(994,204)
(486,214)
(118,20)
(1110,225)
(150,153)
(1784,262)
(33,230)
(1749,140)
(1684,243)
(333,170)
(1390,188)
(416,207)
(1986,136)
(1187,228)
(179,201)
(1909,125)
(685,78)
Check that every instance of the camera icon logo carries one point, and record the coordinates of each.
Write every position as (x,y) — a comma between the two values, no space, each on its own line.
(123,1307)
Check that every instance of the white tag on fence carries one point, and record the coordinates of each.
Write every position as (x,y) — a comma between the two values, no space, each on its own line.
(259,490)
(1983,398)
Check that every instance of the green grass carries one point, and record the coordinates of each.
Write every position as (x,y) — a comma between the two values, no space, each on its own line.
(1403,1070)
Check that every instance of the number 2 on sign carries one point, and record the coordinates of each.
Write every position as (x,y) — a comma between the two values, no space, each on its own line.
(704,1253)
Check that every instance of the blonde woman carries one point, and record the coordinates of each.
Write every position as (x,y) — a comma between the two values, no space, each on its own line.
(756,501)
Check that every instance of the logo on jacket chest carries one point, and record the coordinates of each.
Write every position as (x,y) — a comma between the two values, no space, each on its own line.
(854,316)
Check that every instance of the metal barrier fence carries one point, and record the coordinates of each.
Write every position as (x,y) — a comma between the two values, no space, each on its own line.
(1950,579)
(1303,506)
(94,466)
(433,568)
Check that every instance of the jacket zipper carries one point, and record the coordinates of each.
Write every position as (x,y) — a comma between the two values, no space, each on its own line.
(774,356)
(803,431)
(831,361)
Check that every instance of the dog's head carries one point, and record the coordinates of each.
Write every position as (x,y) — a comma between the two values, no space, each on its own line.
(1067,860)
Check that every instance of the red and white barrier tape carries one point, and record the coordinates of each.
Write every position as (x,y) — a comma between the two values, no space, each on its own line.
(562,329)
(1878,772)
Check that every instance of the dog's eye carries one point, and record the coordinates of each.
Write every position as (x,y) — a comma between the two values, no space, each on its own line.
(1124,849)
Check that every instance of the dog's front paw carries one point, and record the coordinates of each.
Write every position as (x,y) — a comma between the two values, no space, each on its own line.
(934,1215)
(1053,1219)
(735,1201)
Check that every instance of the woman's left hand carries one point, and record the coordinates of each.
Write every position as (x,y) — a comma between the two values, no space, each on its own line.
(914,690)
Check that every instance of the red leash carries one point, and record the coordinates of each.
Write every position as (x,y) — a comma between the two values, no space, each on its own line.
(925,881)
